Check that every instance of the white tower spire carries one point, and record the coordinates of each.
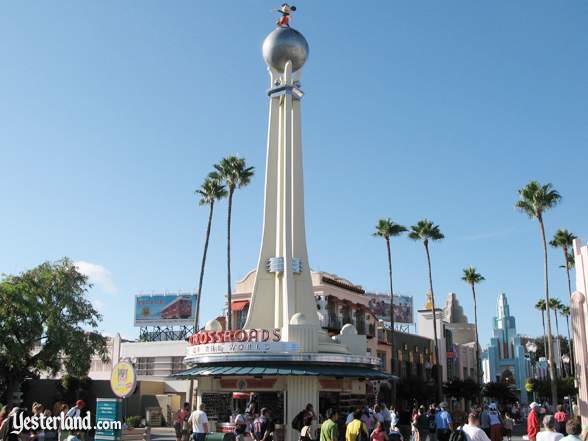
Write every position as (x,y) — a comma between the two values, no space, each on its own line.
(283,285)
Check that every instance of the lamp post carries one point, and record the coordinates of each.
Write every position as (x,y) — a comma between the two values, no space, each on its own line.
(566,361)
(532,349)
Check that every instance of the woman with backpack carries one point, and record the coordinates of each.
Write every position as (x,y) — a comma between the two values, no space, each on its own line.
(495,423)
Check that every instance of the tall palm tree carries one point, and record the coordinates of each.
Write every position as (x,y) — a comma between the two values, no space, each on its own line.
(234,173)
(540,306)
(209,192)
(386,228)
(472,278)
(425,231)
(564,239)
(534,200)
(555,304)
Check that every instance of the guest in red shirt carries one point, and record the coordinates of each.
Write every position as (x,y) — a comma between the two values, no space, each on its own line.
(561,418)
(533,421)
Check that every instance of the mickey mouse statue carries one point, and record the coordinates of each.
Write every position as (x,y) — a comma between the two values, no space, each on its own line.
(284,20)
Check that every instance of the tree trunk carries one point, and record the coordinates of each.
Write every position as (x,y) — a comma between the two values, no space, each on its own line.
(558,337)
(544,333)
(439,376)
(201,279)
(567,267)
(392,331)
(229,295)
(549,349)
(572,355)
(477,341)
(392,339)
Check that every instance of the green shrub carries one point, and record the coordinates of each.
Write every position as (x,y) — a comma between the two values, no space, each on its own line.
(133,421)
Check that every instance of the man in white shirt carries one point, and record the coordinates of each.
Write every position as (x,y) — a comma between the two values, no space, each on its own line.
(472,429)
(199,422)
(549,434)
(387,416)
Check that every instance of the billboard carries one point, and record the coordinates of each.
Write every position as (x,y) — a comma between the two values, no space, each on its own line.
(403,310)
(165,309)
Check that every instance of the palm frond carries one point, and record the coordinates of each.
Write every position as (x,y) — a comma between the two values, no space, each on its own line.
(387,228)
(211,190)
(234,172)
(471,276)
(562,238)
(425,230)
(534,199)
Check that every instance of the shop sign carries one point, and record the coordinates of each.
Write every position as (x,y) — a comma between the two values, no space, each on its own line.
(237,347)
(123,379)
(108,410)
(237,336)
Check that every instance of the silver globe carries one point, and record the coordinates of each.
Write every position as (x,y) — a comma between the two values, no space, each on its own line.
(283,44)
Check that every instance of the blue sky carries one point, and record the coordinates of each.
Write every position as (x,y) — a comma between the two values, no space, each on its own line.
(111,113)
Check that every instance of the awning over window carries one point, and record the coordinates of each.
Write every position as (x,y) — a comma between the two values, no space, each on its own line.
(273,371)
(239,305)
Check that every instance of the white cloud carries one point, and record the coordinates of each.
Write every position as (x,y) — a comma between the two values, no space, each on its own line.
(99,276)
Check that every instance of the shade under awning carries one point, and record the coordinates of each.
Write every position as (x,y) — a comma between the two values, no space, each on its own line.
(273,371)
(239,305)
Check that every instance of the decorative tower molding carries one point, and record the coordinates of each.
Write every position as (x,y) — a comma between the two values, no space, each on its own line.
(283,286)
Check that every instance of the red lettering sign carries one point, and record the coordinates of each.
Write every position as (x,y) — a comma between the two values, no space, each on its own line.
(237,336)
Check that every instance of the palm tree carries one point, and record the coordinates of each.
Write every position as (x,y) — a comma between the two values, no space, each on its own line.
(210,191)
(534,200)
(425,231)
(564,239)
(472,278)
(540,306)
(555,304)
(234,173)
(386,228)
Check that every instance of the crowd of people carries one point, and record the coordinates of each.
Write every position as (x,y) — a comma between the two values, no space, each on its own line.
(376,423)
(10,417)
(381,423)
(488,422)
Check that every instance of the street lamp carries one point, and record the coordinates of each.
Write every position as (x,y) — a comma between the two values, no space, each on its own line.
(532,349)
(566,360)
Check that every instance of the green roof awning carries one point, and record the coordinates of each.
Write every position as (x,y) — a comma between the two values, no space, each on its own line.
(305,371)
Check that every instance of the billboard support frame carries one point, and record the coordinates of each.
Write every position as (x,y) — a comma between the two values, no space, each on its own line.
(165,333)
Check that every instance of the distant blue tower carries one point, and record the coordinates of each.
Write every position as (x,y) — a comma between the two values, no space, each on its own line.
(504,360)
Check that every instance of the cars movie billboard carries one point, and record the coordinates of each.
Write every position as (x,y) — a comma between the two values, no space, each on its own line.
(165,309)
(403,311)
